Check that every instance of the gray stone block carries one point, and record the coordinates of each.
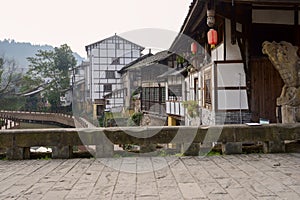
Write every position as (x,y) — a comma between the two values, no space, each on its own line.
(62,152)
(193,150)
(232,148)
(274,147)
(15,153)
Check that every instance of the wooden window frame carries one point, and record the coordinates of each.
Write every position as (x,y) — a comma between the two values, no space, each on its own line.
(110,74)
(207,89)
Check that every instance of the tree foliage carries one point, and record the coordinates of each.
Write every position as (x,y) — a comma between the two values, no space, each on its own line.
(50,69)
(192,108)
(135,119)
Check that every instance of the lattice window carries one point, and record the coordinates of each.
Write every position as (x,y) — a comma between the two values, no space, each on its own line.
(109,74)
(207,89)
(107,87)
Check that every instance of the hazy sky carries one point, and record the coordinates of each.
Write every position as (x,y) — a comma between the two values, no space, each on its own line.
(82,22)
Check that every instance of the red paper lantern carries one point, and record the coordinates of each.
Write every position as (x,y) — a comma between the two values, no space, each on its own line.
(212,37)
(194,47)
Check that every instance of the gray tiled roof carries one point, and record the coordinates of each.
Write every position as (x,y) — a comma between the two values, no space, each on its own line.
(125,68)
(151,60)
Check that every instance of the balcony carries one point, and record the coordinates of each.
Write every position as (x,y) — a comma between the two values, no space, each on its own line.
(174,108)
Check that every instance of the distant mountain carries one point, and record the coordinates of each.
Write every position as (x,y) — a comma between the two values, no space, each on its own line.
(19,51)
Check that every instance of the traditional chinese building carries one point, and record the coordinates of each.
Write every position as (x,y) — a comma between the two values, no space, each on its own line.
(106,58)
(232,81)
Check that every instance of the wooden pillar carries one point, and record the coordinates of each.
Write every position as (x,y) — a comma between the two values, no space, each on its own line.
(160,95)
(171,121)
(247,38)
(296,26)
(6,122)
(233,25)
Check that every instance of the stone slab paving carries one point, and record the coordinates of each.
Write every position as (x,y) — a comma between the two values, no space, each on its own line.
(252,176)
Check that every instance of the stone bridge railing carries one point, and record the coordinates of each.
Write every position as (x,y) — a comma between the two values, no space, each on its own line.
(18,142)
(64,119)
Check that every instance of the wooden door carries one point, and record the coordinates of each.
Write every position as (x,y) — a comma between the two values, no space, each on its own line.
(266,85)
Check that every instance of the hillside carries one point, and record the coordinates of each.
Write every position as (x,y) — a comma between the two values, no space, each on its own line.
(19,51)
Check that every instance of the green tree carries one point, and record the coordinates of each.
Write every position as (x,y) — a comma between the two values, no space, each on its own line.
(54,99)
(51,69)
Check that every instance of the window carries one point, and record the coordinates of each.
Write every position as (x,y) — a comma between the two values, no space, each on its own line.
(196,91)
(100,110)
(146,93)
(109,74)
(207,89)
(115,61)
(156,94)
(107,87)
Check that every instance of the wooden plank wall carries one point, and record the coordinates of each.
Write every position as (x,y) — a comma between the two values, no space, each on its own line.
(266,85)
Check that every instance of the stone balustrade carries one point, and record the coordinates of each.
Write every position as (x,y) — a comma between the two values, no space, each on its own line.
(272,136)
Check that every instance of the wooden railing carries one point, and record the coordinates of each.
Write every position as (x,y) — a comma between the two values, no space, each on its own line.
(18,142)
(175,108)
(64,119)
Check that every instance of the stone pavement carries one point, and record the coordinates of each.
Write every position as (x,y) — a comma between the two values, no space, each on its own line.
(253,176)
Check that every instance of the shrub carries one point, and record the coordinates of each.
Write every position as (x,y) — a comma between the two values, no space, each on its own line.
(192,108)
(135,119)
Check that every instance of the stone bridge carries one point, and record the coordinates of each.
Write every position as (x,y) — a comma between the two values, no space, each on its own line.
(64,119)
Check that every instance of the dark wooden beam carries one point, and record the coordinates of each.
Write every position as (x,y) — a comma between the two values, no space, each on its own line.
(279,7)
(266,2)
(233,24)
(200,18)
(296,24)
(241,44)
(241,12)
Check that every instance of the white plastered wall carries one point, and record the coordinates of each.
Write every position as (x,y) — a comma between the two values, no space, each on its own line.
(232,75)
(232,51)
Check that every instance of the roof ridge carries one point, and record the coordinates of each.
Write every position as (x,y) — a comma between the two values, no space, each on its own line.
(113,37)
